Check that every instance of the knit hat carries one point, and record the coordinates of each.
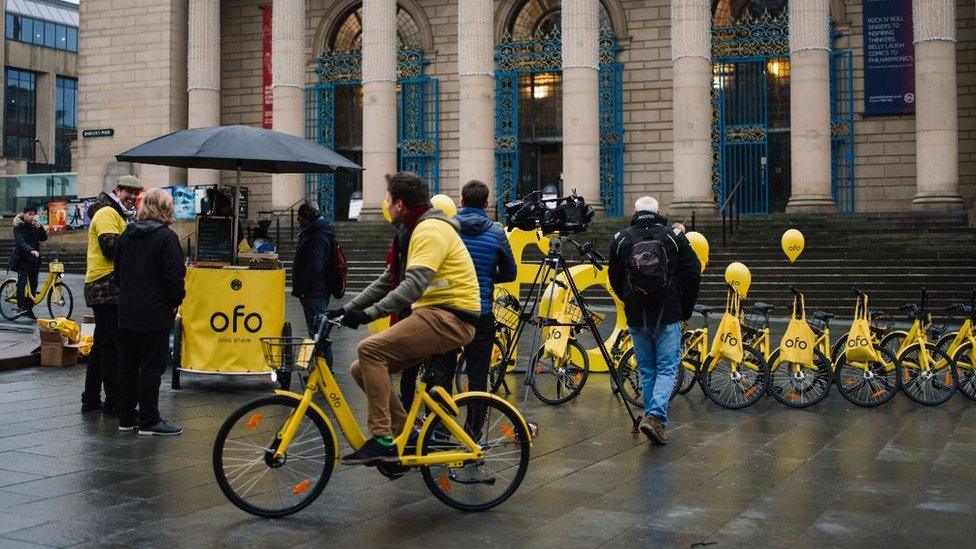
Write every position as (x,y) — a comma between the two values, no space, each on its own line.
(129,182)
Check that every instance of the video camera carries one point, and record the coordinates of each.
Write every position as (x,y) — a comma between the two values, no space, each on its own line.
(565,215)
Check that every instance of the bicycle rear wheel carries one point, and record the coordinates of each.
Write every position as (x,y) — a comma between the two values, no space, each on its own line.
(688,363)
(868,384)
(250,476)
(461,383)
(59,301)
(797,385)
(737,385)
(558,380)
(965,366)
(8,299)
(840,346)
(930,384)
(476,486)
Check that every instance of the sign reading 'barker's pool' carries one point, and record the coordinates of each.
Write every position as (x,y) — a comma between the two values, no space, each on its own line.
(889,57)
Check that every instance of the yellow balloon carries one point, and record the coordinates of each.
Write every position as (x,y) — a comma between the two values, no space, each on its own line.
(792,244)
(738,275)
(385,206)
(444,204)
(700,245)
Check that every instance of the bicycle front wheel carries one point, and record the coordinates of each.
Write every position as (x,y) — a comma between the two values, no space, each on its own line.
(964,362)
(930,380)
(630,380)
(8,299)
(60,303)
(735,385)
(249,474)
(461,378)
(868,384)
(504,440)
(798,385)
(558,380)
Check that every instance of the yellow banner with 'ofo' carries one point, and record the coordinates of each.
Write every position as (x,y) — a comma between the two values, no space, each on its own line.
(224,316)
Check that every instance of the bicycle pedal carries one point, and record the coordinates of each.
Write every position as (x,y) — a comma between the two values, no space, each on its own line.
(392,471)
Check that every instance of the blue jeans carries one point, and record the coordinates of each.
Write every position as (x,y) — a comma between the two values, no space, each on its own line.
(313,307)
(657,358)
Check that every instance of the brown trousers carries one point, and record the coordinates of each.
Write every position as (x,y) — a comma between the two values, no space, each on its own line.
(428,331)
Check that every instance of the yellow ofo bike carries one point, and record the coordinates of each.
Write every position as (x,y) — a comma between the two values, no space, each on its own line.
(275,454)
(57,294)
(800,374)
(733,374)
(962,348)
(866,373)
(927,375)
(694,348)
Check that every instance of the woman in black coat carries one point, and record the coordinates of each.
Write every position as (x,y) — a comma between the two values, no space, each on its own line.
(26,256)
(149,271)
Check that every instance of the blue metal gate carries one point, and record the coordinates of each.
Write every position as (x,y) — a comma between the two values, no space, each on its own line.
(842,129)
(544,54)
(418,117)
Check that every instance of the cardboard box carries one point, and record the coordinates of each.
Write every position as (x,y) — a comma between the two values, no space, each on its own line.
(55,350)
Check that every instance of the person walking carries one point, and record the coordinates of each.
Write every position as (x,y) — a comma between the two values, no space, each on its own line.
(656,274)
(108,214)
(149,270)
(313,258)
(26,256)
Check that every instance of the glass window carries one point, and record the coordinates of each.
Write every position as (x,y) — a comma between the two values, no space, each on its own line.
(62,37)
(8,29)
(66,120)
(26,30)
(50,35)
(20,122)
(72,39)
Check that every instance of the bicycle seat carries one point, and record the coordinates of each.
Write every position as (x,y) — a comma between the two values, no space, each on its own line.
(965,308)
(822,315)
(764,308)
(704,310)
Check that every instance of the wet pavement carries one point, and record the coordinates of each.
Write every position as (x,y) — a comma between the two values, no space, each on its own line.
(834,475)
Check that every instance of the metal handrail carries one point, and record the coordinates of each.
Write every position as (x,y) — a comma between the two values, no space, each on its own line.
(729,210)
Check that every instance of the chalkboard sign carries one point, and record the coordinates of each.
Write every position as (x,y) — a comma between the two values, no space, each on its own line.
(214,242)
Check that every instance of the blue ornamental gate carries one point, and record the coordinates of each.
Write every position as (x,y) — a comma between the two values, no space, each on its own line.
(750,116)
(418,117)
(543,53)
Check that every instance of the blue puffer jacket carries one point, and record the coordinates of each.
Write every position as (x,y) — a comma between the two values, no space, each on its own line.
(488,245)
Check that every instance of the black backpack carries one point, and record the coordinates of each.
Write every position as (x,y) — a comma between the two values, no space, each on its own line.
(648,271)
(338,270)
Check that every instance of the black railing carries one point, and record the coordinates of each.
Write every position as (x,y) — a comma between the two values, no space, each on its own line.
(730,210)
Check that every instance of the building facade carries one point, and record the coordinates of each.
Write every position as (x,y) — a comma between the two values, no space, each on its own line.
(702,103)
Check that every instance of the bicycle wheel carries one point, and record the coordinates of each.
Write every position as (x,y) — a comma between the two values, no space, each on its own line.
(461,383)
(945,342)
(798,385)
(840,346)
(630,381)
(244,464)
(929,384)
(690,361)
(8,299)
(559,380)
(59,301)
(868,384)
(965,366)
(738,385)
(892,341)
(476,486)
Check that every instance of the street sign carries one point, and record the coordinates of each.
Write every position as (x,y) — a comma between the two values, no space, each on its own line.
(104,132)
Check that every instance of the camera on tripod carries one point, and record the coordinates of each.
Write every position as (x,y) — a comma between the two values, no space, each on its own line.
(565,215)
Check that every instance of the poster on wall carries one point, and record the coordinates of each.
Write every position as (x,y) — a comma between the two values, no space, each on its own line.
(184,202)
(889,57)
(57,216)
(76,214)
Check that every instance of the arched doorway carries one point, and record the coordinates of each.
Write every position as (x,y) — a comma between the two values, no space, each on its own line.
(528,108)
(334,107)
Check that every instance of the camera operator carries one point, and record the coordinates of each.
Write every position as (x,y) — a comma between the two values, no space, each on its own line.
(654,271)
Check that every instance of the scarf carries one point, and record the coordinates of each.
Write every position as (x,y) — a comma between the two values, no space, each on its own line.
(396,257)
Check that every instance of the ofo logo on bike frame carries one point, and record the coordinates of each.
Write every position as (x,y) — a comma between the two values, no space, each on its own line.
(237,321)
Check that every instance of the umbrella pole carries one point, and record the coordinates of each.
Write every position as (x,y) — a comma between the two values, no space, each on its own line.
(236,214)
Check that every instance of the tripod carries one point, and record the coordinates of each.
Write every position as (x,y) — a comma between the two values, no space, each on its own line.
(555,269)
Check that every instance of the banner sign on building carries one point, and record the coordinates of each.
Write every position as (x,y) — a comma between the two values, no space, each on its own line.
(57,216)
(268,101)
(889,57)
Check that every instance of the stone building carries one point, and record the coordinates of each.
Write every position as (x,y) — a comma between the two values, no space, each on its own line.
(761,103)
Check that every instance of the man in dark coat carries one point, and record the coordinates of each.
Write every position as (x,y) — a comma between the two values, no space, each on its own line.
(654,321)
(313,258)
(26,256)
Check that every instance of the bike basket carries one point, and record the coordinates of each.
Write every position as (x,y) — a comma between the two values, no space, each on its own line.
(505,315)
(55,267)
(575,314)
(287,353)
(754,319)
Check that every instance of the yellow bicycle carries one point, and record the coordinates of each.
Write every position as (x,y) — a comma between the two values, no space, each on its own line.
(275,454)
(58,295)
(803,384)
(927,374)
(694,349)
(962,348)
(865,383)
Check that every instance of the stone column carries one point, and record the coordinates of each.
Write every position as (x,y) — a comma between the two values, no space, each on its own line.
(691,43)
(581,101)
(810,107)
(203,75)
(45,118)
(476,49)
(379,101)
(288,90)
(936,122)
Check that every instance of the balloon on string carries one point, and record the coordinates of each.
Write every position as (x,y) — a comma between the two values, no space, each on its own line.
(738,276)
(700,246)
(792,244)
(445,204)
(385,206)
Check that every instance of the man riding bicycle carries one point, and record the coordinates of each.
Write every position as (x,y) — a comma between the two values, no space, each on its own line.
(431,289)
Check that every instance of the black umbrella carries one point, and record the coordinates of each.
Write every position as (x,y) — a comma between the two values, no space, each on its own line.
(241,148)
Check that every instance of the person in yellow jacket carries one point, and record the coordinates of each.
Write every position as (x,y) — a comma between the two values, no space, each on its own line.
(109,215)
